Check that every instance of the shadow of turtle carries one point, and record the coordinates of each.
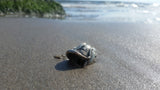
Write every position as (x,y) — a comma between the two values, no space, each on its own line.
(65,66)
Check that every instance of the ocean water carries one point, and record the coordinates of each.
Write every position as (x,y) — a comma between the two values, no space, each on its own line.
(146,11)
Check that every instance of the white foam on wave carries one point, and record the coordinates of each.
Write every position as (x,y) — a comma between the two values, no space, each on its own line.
(157,18)
(79,5)
(155,4)
(145,11)
(134,5)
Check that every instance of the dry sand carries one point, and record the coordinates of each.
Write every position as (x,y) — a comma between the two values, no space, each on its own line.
(128,55)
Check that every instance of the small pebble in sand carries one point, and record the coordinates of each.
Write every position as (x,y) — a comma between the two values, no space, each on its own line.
(57,57)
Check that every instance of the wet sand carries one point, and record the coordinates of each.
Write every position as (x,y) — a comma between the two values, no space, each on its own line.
(128,55)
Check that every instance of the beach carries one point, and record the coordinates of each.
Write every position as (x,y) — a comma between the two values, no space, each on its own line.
(128,55)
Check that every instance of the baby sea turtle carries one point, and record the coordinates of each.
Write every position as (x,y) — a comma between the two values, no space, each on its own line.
(82,55)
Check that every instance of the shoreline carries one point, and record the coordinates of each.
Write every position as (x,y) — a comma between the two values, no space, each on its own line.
(22,15)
